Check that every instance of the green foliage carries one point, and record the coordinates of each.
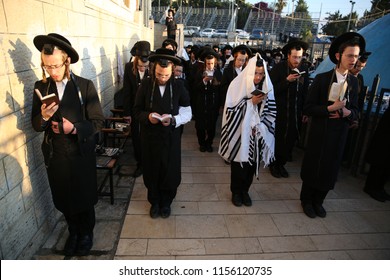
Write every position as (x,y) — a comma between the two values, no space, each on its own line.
(337,23)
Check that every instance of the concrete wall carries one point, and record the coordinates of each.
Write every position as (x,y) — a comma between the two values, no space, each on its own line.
(103,32)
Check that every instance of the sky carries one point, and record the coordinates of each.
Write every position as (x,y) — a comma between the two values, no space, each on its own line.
(330,6)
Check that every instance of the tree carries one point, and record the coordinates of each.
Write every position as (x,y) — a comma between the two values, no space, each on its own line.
(279,5)
(302,7)
(337,23)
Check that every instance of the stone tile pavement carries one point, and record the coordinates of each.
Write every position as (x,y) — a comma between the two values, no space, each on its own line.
(205,224)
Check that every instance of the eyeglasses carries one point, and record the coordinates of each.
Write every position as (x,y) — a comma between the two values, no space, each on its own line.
(52,67)
(351,56)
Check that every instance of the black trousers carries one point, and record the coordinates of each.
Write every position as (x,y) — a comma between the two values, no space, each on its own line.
(136,141)
(377,177)
(310,195)
(205,136)
(81,223)
(241,177)
(162,197)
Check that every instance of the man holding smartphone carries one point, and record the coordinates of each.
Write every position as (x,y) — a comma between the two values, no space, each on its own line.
(290,82)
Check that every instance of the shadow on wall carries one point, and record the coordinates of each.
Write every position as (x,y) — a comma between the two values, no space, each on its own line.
(27,200)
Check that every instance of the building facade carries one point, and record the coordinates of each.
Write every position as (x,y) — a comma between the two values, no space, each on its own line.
(103,32)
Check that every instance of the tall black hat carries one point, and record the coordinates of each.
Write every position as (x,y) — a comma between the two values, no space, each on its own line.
(164,55)
(46,43)
(343,38)
(294,43)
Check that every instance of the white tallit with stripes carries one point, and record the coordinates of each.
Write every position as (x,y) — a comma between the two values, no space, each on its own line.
(248,133)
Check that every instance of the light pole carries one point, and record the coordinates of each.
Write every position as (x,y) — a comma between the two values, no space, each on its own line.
(350,15)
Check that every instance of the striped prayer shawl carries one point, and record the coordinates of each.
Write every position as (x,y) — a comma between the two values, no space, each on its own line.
(248,133)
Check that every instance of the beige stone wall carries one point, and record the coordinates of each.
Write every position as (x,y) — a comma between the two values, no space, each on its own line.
(102,32)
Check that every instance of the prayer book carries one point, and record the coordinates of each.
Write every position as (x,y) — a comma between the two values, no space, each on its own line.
(337,91)
(161,118)
(257,92)
(48,99)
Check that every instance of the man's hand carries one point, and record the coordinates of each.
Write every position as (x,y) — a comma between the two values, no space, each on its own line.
(48,111)
(293,77)
(127,119)
(256,99)
(152,119)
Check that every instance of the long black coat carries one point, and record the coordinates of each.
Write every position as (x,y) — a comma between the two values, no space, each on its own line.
(161,145)
(227,77)
(326,137)
(131,83)
(289,98)
(207,100)
(70,159)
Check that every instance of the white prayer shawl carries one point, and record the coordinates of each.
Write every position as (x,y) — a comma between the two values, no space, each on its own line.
(248,135)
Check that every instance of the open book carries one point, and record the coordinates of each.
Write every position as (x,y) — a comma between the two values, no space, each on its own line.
(161,118)
(296,71)
(257,92)
(48,99)
(337,91)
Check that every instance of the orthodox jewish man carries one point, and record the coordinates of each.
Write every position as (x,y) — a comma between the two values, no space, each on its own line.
(162,105)
(135,72)
(332,104)
(290,89)
(69,125)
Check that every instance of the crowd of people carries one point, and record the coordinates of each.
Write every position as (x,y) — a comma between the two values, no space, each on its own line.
(262,98)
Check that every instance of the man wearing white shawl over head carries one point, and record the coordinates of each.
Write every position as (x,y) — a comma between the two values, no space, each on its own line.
(248,125)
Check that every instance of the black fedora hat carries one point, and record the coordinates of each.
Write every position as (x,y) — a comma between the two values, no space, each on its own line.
(294,43)
(242,49)
(207,52)
(164,54)
(343,38)
(58,41)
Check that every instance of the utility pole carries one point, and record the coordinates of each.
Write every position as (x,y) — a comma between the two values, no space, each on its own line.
(319,19)
(273,19)
(350,15)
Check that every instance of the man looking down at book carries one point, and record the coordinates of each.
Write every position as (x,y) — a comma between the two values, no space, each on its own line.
(69,145)
(290,82)
(248,124)
(332,104)
(162,105)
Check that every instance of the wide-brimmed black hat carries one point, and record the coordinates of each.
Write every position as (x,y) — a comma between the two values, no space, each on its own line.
(207,52)
(343,38)
(226,47)
(242,49)
(141,49)
(294,43)
(163,55)
(59,41)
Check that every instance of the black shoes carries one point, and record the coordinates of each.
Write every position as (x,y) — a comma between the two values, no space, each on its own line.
(246,199)
(237,199)
(84,245)
(137,172)
(282,171)
(379,195)
(209,149)
(309,210)
(202,149)
(278,171)
(319,210)
(70,245)
(165,212)
(275,171)
(154,211)
(313,211)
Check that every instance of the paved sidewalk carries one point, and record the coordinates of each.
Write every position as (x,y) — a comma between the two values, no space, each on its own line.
(205,224)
